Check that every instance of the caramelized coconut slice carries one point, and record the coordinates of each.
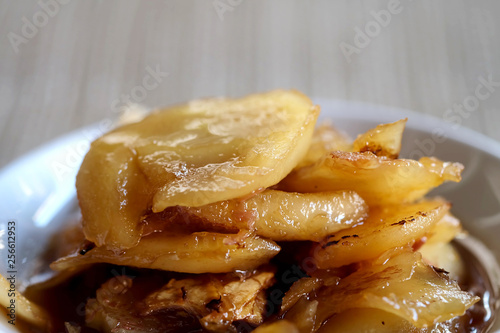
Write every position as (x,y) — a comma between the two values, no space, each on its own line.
(212,302)
(402,285)
(217,302)
(378,180)
(280,326)
(446,256)
(16,305)
(386,228)
(326,138)
(114,310)
(200,252)
(383,140)
(369,320)
(437,250)
(444,230)
(190,155)
(284,216)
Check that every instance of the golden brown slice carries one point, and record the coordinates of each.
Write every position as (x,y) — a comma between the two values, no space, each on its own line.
(208,302)
(386,228)
(15,306)
(437,250)
(371,320)
(200,252)
(444,230)
(285,216)
(367,320)
(190,155)
(217,302)
(383,140)
(378,180)
(326,138)
(113,194)
(115,308)
(280,326)
(446,256)
(401,284)
(301,288)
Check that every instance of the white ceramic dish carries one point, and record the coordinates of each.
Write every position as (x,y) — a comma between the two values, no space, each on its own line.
(37,190)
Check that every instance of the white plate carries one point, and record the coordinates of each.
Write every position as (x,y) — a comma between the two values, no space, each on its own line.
(37,190)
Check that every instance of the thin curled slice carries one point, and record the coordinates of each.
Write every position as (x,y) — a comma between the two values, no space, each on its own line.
(208,302)
(326,138)
(201,252)
(285,216)
(369,320)
(115,309)
(383,140)
(445,230)
(280,326)
(398,283)
(386,228)
(378,180)
(446,256)
(16,304)
(190,155)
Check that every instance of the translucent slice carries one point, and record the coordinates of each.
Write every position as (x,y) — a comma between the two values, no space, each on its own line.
(378,180)
(285,216)
(383,140)
(445,256)
(115,310)
(367,320)
(201,252)
(113,194)
(304,314)
(326,138)
(370,320)
(15,306)
(401,284)
(301,288)
(444,230)
(190,155)
(280,326)
(386,228)
(217,301)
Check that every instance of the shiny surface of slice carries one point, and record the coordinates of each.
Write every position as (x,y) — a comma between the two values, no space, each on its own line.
(398,283)
(445,256)
(114,309)
(190,155)
(217,301)
(280,326)
(15,304)
(285,216)
(370,320)
(445,230)
(386,228)
(326,138)
(201,252)
(378,180)
(383,140)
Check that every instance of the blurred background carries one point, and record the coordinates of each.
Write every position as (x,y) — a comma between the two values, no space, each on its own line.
(67,63)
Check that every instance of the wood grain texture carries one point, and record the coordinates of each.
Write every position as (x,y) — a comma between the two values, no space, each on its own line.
(74,69)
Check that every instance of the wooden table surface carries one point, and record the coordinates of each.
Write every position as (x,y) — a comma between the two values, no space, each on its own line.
(67,63)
